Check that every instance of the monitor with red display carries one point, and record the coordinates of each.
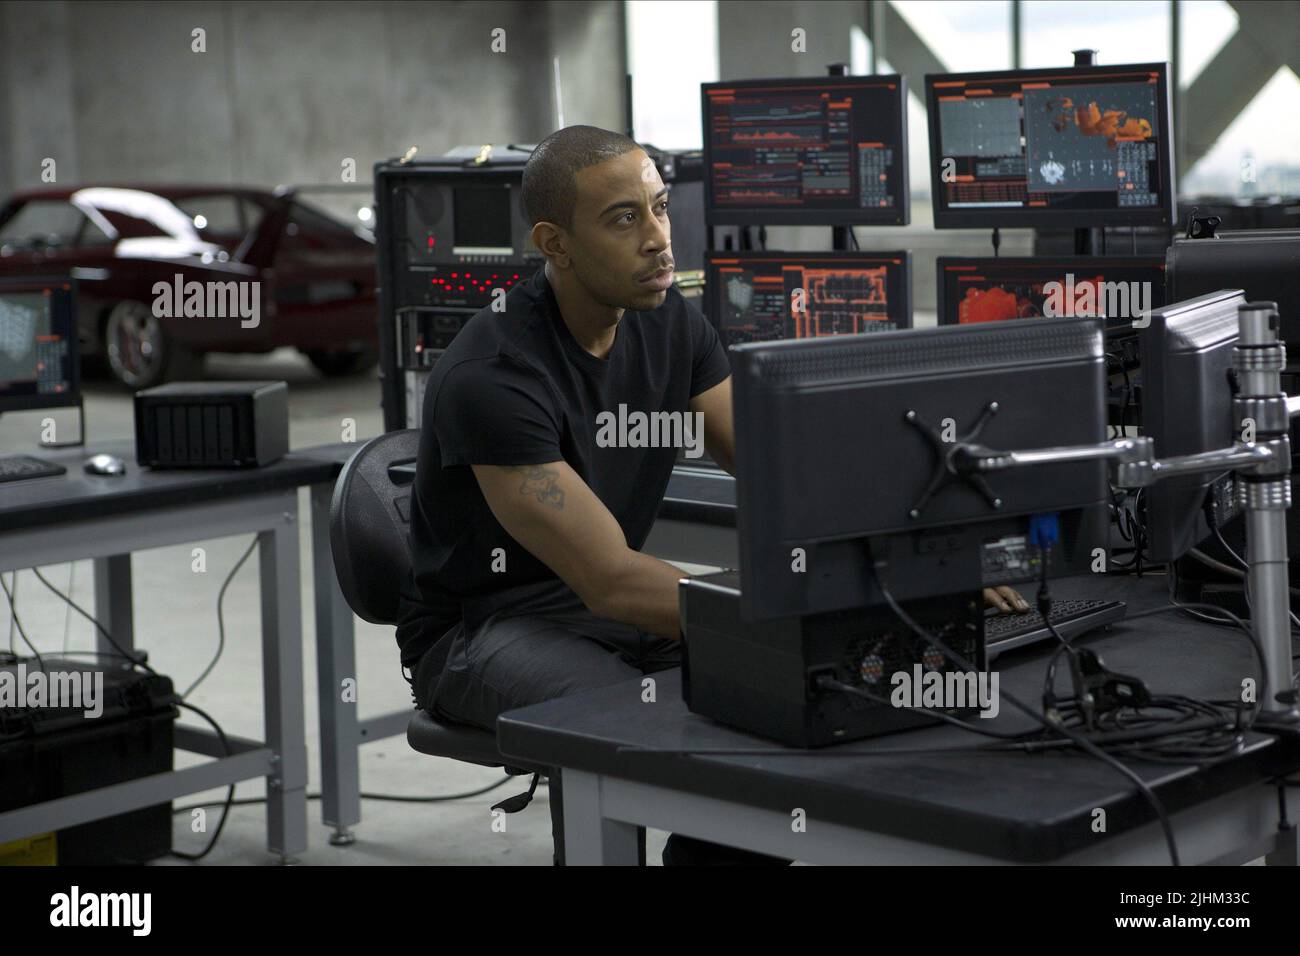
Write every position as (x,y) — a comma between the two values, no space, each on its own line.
(1066,147)
(830,151)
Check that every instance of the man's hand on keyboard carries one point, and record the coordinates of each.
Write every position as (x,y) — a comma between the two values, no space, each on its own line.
(1005,599)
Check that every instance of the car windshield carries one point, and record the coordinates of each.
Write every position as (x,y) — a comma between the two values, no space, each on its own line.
(135,220)
(221,217)
(43,222)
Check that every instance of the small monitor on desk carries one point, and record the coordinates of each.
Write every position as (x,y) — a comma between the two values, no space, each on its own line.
(827,151)
(1062,147)
(769,296)
(1118,289)
(39,365)
(841,477)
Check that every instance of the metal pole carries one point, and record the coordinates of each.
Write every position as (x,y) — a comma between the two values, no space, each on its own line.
(1265,492)
(875,34)
(1176,86)
(1015,34)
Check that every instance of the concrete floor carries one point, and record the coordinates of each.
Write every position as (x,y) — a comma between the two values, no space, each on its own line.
(176,621)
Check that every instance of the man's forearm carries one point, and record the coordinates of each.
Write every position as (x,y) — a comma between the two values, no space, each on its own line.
(642,591)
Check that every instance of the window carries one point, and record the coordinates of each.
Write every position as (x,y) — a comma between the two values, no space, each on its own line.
(1255,153)
(1121,31)
(671,49)
(214,216)
(312,229)
(967,36)
(43,222)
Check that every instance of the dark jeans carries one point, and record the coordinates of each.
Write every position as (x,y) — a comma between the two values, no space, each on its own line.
(549,647)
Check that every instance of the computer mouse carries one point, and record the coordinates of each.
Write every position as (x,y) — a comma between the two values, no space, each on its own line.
(105,465)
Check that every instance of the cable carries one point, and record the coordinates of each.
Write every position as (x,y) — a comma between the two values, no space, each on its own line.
(13,611)
(1234,619)
(1218,536)
(1216,564)
(221,624)
(137,661)
(1237,573)
(13,583)
(67,611)
(230,794)
(1130,528)
(1080,741)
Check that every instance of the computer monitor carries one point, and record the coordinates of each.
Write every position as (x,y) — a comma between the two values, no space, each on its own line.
(39,359)
(1264,262)
(832,471)
(827,151)
(1187,393)
(1117,289)
(1065,147)
(769,296)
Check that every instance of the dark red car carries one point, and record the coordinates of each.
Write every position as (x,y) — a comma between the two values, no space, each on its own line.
(257,270)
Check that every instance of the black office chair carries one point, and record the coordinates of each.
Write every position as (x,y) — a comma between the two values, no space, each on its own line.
(370,517)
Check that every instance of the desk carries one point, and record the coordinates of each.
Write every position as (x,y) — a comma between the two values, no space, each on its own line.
(75,515)
(697,520)
(696,524)
(937,808)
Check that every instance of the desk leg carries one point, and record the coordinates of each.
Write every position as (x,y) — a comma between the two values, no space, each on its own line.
(590,839)
(1284,854)
(340,769)
(113,603)
(282,685)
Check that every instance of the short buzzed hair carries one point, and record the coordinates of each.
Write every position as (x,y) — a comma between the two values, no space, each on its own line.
(550,189)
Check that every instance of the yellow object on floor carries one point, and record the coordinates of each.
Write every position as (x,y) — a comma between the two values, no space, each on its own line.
(39,850)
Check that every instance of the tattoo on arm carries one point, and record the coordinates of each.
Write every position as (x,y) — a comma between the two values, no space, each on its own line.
(543,484)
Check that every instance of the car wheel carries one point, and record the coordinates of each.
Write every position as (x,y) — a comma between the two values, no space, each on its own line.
(342,363)
(139,353)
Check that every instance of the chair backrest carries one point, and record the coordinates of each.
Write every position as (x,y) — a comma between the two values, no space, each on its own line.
(370,520)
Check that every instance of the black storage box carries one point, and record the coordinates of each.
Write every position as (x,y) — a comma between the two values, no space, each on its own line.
(47,753)
(212,424)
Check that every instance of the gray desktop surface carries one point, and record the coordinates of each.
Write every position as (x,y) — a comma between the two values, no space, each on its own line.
(31,502)
(1017,807)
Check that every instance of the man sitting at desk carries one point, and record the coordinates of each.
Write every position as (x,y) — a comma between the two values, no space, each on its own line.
(529,510)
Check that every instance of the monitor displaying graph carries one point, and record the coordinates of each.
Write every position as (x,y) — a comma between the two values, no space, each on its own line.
(826,151)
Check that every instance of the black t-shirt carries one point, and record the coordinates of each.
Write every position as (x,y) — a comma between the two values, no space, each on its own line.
(516,388)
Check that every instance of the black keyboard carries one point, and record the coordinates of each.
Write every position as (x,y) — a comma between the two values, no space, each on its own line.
(1002,632)
(14,467)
